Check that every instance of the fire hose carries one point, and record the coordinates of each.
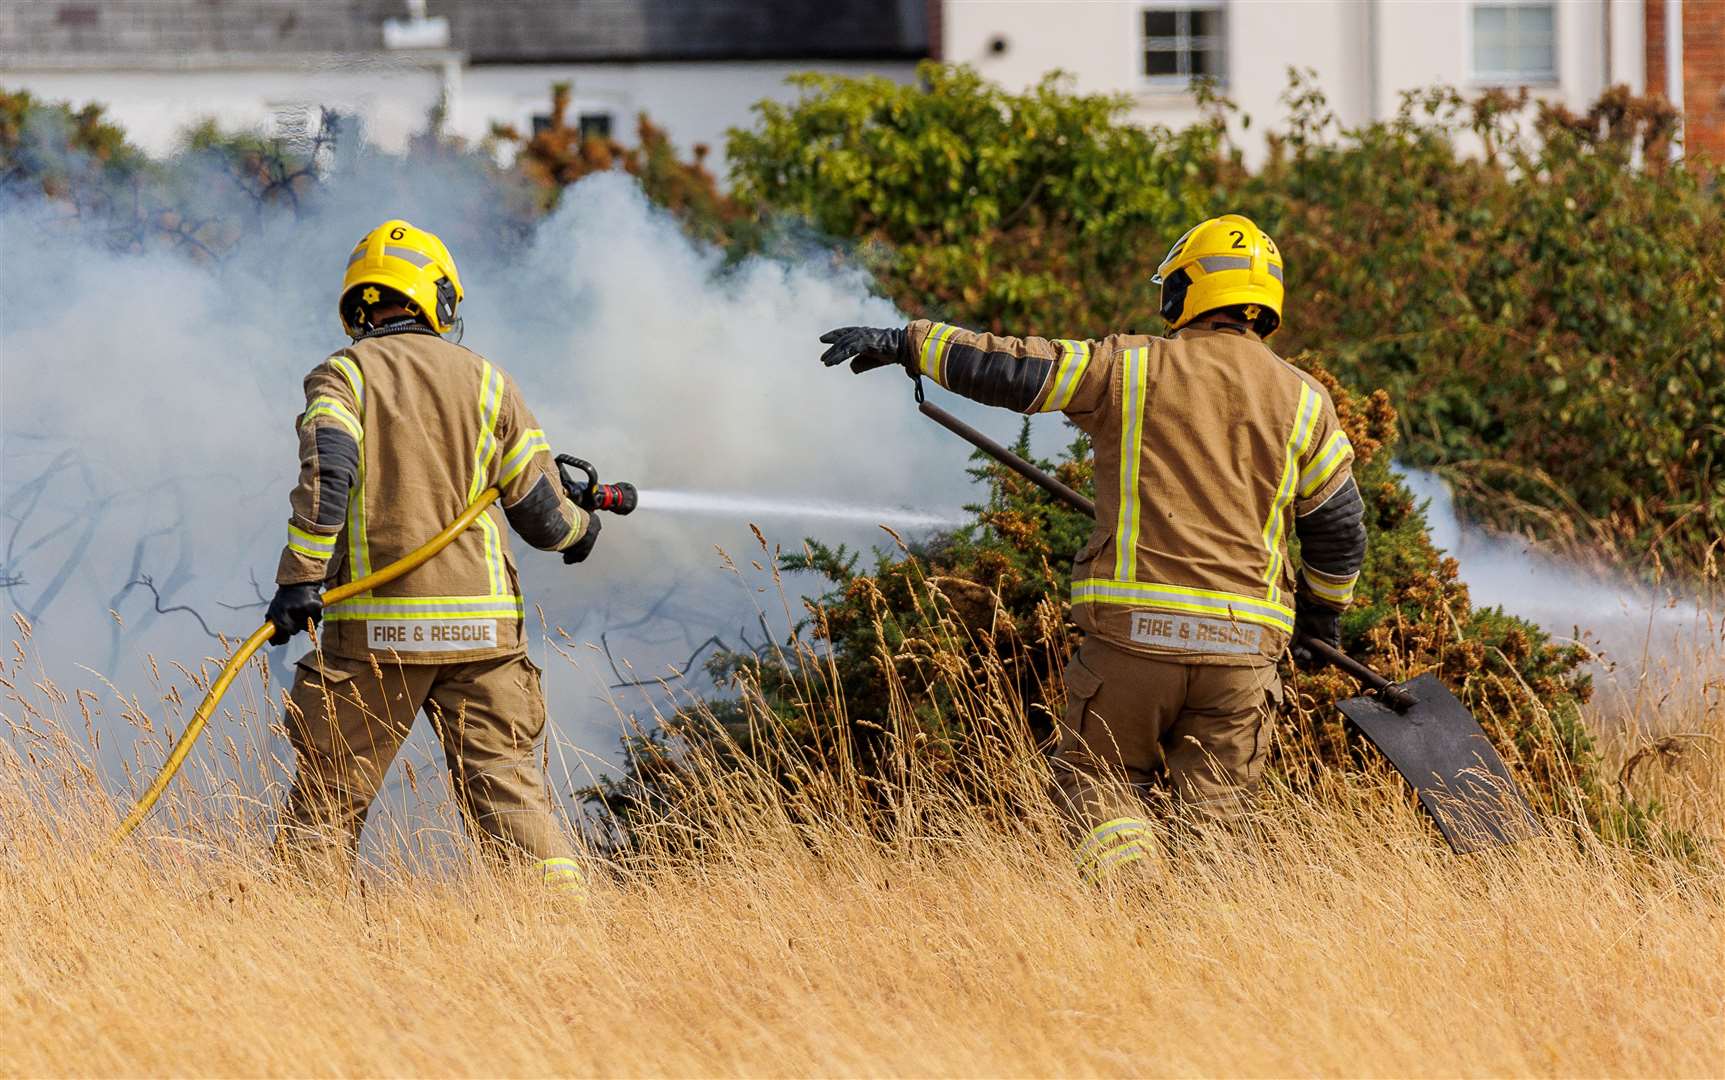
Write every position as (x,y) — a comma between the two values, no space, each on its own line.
(616,498)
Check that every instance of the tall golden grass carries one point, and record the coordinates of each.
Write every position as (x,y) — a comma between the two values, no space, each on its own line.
(779,919)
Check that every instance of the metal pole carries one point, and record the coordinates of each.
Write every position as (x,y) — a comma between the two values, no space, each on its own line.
(1008,458)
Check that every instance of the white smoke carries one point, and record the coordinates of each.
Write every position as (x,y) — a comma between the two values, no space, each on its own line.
(147,403)
(1652,645)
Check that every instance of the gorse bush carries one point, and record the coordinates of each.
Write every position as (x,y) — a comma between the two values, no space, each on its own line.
(951,646)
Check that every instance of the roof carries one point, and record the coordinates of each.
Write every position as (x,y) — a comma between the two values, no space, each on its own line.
(487,31)
(534,31)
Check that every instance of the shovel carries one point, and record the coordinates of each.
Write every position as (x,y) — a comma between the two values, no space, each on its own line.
(1425,732)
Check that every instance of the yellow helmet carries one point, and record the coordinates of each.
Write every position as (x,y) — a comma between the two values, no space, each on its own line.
(1224,262)
(411,261)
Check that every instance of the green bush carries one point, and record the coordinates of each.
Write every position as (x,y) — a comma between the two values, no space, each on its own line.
(1549,317)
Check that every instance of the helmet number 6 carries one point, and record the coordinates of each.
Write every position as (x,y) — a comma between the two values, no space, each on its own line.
(396,233)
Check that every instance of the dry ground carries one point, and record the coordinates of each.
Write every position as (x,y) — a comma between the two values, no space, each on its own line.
(1337,938)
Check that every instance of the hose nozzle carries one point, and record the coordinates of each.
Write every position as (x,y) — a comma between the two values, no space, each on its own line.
(619,498)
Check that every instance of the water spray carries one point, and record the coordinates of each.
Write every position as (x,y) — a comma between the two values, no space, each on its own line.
(744,505)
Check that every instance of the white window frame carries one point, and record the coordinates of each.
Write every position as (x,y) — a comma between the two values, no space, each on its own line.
(1141,43)
(1554,77)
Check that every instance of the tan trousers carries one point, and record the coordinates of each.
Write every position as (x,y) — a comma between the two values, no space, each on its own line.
(1198,731)
(347,720)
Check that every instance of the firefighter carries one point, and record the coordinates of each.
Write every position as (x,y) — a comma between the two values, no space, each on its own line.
(1209,449)
(402,429)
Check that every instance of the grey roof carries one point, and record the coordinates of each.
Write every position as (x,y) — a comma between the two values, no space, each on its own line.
(488,31)
(515,31)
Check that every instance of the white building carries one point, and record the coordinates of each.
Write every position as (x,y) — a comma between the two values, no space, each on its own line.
(1366,53)
(694,66)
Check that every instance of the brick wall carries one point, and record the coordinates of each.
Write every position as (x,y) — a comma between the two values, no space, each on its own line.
(1703,70)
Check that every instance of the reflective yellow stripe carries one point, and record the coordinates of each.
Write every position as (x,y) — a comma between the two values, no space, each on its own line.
(494,567)
(574,532)
(934,350)
(1181,598)
(328,406)
(355,381)
(1325,464)
(1074,359)
(1131,453)
(530,443)
(1112,844)
(1299,437)
(1336,590)
(427,607)
(358,548)
(490,403)
(562,875)
(310,545)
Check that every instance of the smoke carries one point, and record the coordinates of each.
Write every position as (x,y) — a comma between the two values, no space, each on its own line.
(1651,646)
(147,444)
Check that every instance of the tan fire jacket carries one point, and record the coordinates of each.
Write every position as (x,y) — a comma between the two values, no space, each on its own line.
(401,431)
(1208,447)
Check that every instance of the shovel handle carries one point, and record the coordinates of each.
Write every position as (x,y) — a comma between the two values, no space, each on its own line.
(1387,692)
(1006,457)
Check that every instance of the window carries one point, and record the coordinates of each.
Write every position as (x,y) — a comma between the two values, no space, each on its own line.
(291,122)
(1184,40)
(594,126)
(1514,43)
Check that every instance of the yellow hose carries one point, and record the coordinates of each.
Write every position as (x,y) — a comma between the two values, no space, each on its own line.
(183,746)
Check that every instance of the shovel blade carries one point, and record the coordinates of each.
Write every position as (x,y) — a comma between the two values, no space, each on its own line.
(1444,755)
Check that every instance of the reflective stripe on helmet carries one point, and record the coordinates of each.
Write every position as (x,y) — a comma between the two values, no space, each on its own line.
(1214,263)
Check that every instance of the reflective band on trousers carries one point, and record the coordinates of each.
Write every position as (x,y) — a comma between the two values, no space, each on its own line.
(1147,594)
(1137,367)
(563,875)
(1299,440)
(1068,372)
(427,607)
(1111,844)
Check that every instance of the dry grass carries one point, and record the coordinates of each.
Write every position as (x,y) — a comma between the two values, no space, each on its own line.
(1335,937)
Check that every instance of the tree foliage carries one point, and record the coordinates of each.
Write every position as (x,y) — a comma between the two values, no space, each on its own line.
(1548,314)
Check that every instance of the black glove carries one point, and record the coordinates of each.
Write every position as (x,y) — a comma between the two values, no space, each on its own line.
(866,347)
(580,549)
(1314,621)
(295,608)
